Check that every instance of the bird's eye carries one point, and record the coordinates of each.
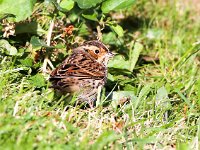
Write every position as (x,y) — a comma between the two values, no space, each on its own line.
(96,51)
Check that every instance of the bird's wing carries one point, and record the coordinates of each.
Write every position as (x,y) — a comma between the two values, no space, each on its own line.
(79,65)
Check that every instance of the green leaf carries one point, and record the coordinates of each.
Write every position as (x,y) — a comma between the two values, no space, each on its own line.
(28,62)
(5,15)
(117,29)
(37,80)
(20,8)
(83,30)
(6,48)
(119,62)
(67,4)
(134,55)
(110,38)
(29,27)
(111,77)
(116,5)
(84,4)
(37,43)
(92,17)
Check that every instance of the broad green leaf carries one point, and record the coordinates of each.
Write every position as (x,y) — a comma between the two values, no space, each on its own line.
(37,80)
(73,16)
(111,77)
(119,62)
(29,27)
(92,17)
(20,8)
(6,48)
(36,42)
(6,15)
(67,4)
(134,55)
(84,4)
(28,62)
(110,38)
(83,30)
(117,29)
(116,5)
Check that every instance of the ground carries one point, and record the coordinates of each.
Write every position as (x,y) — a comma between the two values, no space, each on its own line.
(155,106)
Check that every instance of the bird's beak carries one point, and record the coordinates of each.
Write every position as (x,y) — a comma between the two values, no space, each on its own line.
(110,54)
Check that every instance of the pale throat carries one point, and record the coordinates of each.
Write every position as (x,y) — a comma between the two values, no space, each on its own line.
(103,59)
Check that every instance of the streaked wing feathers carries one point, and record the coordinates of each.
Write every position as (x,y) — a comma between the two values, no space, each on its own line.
(79,65)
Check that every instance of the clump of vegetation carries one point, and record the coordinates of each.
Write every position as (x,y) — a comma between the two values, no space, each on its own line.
(154,78)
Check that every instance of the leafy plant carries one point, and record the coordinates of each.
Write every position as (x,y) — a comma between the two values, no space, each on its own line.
(62,14)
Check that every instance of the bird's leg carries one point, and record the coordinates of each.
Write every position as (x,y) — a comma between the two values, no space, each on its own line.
(99,34)
(45,63)
(44,66)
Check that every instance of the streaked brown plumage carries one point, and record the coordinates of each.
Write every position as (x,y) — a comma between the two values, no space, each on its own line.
(83,71)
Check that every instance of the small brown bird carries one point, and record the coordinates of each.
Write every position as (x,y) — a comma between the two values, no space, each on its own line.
(83,72)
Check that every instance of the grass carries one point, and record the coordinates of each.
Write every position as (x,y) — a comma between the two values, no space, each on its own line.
(157,107)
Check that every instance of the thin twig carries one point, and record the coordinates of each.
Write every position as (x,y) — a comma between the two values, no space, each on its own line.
(99,34)
(50,32)
(46,59)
